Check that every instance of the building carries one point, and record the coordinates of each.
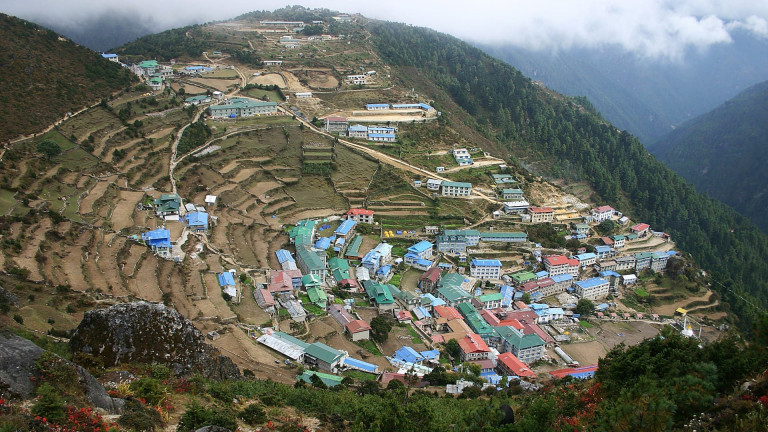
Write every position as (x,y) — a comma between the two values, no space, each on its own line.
(111,57)
(456,189)
(516,207)
(659,261)
(373,106)
(433,184)
(586,259)
(457,241)
(512,194)
(485,269)
(473,347)
(541,214)
(642,260)
(324,357)
(602,213)
(159,240)
(462,157)
(428,281)
(508,364)
(625,263)
(284,280)
(243,107)
(453,295)
(581,229)
(227,284)
(592,289)
(503,237)
(311,262)
(167,205)
(560,283)
(358,330)
(357,131)
(336,124)
(346,229)
(618,241)
(197,221)
(197,100)
(522,277)
(421,250)
(526,347)
(559,264)
(379,294)
(303,95)
(491,301)
(604,252)
(382,137)
(360,215)
(641,229)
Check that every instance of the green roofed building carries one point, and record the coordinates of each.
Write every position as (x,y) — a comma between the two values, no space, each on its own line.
(324,357)
(475,320)
(353,250)
(243,107)
(311,262)
(303,233)
(167,204)
(317,296)
(527,347)
(451,279)
(491,301)
(327,379)
(453,295)
(507,237)
(523,277)
(380,294)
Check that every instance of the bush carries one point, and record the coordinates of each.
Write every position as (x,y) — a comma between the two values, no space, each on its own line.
(253,414)
(18,319)
(138,417)
(50,404)
(149,389)
(197,416)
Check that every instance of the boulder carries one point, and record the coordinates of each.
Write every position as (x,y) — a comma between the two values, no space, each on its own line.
(19,375)
(143,332)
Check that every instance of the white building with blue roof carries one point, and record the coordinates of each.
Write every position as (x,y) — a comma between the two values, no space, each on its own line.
(485,269)
(421,250)
(603,251)
(376,106)
(197,221)
(357,131)
(346,229)
(159,240)
(592,289)
(586,259)
(111,57)
(227,283)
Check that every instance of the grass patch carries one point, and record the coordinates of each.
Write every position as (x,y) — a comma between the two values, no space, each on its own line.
(415,338)
(642,293)
(310,307)
(586,324)
(7,201)
(396,280)
(77,159)
(262,94)
(369,346)
(359,375)
(361,303)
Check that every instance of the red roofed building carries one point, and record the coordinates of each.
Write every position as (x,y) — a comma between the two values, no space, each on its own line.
(336,124)
(430,278)
(541,214)
(284,280)
(447,312)
(523,316)
(490,317)
(535,329)
(602,213)
(359,330)
(360,215)
(508,364)
(579,372)
(560,264)
(403,316)
(607,241)
(641,229)
(473,347)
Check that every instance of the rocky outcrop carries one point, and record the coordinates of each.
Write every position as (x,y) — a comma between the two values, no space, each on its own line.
(19,373)
(144,332)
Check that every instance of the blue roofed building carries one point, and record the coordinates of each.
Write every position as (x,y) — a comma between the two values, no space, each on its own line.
(284,255)
(591,289)
(421,250)
(346,229)
(507,295)
(604,252)
(382,137)
(586,259)
(197,221)
(111,57)
(409,355)
(485,269)
(376,106)
(323,243)
(357,131)
(159,240)
(227,283)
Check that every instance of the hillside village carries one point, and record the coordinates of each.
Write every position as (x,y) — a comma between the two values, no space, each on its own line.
(326,217)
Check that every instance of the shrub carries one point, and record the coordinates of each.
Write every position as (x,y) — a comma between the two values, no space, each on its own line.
(197,416)
(253,414)
(138,417)
(149,389)
(50,404)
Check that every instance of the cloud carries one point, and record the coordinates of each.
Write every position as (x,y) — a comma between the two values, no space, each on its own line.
(663,29)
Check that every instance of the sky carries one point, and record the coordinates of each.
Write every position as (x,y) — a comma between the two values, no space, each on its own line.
(656,29)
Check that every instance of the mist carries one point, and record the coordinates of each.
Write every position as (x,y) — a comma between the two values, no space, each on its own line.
(653,29)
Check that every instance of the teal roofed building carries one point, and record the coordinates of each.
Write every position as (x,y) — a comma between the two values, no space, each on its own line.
(324,357)
(317,296)
(475,321)
(453,295)
(380,294)
(167,204)
(243,107)
(339,269)
(451,280)
(311,262)
(523,277)
(303,233)
(526,347)
(327,379)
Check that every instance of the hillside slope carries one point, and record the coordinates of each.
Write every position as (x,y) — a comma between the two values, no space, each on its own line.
(54,75)
(723,153)
(568,140)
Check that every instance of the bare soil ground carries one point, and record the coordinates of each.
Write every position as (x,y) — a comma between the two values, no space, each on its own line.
(269,79)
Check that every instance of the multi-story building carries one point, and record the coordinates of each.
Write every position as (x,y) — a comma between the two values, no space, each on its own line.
(602,213)
(456,189)
(473,347)
(516,207)
(592,289)
(336,124)
(360,215)
(559,264)
(242,107)
(541,214)
(512,194)
(457,241)
(485,269)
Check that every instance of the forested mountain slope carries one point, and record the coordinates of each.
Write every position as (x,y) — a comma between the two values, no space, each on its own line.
(570,140)
(45,76)
(646,96)
(724,152)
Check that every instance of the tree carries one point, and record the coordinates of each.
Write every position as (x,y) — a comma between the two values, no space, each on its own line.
(380,328)
(49,148)
(452,348)
(526,298)
(585,307)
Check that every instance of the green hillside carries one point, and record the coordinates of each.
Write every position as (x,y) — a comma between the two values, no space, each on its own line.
(563,137)
(54,75)
(723,153)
